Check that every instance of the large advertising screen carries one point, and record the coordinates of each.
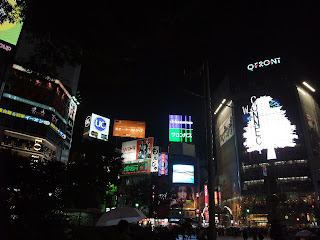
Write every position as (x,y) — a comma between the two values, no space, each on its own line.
(180,128)
(126,128)
(182,173)
(268,126)
(99,127)
(9,32)
(182,197)
(140,149)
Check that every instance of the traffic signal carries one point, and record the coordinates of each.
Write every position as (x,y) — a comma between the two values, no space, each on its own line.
(248,210)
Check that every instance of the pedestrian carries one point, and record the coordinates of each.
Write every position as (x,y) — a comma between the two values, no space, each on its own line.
(245,234)
(123,227)
(261,237)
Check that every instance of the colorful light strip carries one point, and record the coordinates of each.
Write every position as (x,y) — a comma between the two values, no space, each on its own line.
(23,100)
(34,119)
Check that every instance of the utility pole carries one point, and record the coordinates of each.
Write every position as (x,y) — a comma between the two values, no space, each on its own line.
(211,169)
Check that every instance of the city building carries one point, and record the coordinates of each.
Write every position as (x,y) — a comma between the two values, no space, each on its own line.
(37,113)
(266,120)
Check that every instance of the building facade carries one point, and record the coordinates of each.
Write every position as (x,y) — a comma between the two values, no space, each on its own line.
(267,145)
(37,113)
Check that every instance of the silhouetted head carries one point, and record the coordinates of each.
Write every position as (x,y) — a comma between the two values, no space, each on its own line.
(123,226)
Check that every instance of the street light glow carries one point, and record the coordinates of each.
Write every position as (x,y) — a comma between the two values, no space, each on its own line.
(300,90)
(308,86)
(218,108)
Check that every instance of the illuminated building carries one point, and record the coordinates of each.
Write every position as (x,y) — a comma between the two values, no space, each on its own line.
(37,114)
(267,142)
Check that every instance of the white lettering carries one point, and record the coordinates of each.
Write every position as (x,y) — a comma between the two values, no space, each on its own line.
(245,110)
(263,63)
(250,67)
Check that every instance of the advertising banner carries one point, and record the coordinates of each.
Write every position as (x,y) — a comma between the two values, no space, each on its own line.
(155,159)
(136,168)
(180,128)
(182,197)
(226,130)
(126,128)
(206,196)
(163,164)
(99,127)
(140,149)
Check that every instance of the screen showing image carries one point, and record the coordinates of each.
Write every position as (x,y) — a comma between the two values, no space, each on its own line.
(183,173)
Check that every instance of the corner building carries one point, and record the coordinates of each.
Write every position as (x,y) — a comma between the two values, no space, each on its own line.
(267,144)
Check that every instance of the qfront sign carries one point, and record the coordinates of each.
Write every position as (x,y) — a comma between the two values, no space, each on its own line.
(268,127)
(99,127)
(180,128)
(263,63)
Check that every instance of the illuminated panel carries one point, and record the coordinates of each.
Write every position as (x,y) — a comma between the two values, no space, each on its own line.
(33,103)
(136,168)
(99,127)
(268,127)
(183,173)
(9,32)
(33,119)
(163,164)
(180,128)
(126,128)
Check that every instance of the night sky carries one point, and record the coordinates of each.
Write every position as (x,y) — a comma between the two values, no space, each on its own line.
(146,58)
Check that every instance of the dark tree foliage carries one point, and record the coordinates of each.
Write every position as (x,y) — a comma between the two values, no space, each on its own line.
(32,196)
(92,172)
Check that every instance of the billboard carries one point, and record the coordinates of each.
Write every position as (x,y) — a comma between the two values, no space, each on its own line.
(140,149)
(163,164)
(268,126)
(9,32)
(155,158)
(126,128)
(180,128)
(99,127)
(182,173)
(182,197)
(226,130)
(136,168)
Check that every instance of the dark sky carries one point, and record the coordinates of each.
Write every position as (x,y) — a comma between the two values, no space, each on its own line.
(145,57)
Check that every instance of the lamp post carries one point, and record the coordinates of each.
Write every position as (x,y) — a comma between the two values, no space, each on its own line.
(209,138)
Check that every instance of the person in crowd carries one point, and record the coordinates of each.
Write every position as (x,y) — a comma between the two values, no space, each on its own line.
(245,234)
(124,228)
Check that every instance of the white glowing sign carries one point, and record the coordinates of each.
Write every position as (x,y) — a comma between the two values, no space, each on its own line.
(268,127)
(263,63)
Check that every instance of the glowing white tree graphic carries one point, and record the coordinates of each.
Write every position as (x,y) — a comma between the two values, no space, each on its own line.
(268,127)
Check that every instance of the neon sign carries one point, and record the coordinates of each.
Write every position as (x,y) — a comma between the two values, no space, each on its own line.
(33,119)
(268,127)
(136,168)
(264,63)
(180,128)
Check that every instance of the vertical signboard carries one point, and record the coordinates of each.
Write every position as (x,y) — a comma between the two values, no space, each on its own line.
(180,128)
(154,159)
(226,130)
(163,164)
(206,196)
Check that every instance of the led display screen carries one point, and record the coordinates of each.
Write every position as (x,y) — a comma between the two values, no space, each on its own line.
(268,126)
(180,128)
(183,173)
(9,32)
